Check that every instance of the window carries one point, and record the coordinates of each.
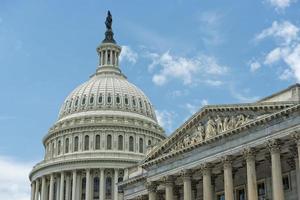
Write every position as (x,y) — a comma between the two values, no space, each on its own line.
(149,142)
(92,100)
(120,142)
(221,196)
(141,105)
(86,142)
(109,99)
(261,191)
(97,145)
(83,183)
(70,104)
(103,57)
(286,182)
(67,145)
(108,57)
(108,187)
(83,101)
(96,188)
(133,101)
(108,142)
(76,102)
(141,145)
(76,144)
(53,149)
(113,57)
(100,99)
(240,194)
(131,146)
(126,100)
(118,99)
(58,147)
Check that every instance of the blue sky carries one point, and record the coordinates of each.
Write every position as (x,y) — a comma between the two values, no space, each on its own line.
(182,55)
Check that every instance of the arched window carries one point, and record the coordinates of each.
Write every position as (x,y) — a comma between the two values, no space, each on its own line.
(53,149)
(96,188)
(97,145)
(67,145)
(92,100)
(86,142)
(76,144)
(120,142)
(126,100)
(83,101)
(108,142)
(108,187)
(149,142)
(100,99)
(58,147)
(141,145)
(131,144)
(109,99)
(118,99)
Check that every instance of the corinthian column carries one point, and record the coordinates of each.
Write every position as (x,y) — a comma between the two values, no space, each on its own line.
(228,181)
(37,189)
(32,190)
(187,185)
(207,186)
(87,185)
(169,184)
(116,192)
(62,183)
(74,184)
(296,137)
(68,187)
(277,184)
(101,185)
(43,190)
(251,174)
(51,187)
(152,187)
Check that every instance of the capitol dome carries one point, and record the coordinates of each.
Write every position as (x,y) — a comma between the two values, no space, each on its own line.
(105,126)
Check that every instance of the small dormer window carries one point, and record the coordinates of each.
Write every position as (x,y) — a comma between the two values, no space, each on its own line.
(70,104)
(92,100)
(100,99)
(133,101)
(83,101)
(141,105)
(118,100)
(76,102)
(126,100)
(108,57)
(109,99)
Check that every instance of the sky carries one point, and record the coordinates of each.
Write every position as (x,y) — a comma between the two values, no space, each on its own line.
(182,54)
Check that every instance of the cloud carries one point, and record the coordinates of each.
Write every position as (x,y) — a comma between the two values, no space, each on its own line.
(254,65)
(280,4)
(14,182)
(128,54)
(187,70)
(243,95)
(287,50)
(193,108)
(165,119)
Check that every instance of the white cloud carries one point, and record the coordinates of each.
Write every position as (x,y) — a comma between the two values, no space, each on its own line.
(128,54)
(254,65)
(243,95)
(280,4)
(188,70)
(14,182)
(214,82)
(193,108)
(165,119)
(284,31)
(286,75)
(273,56)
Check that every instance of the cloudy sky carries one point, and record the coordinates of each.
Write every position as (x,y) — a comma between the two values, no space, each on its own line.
(183,55)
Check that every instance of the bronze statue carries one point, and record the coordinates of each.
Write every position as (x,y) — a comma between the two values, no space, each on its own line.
(108,21)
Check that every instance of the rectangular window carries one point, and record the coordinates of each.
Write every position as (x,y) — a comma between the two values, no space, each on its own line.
(286,182)
(221,196)
(240,193)
(261,189)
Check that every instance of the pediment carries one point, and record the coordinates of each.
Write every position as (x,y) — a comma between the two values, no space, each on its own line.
(211,122)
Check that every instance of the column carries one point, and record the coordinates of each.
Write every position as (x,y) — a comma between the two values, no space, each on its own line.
(57,187)
(152,187)
(68,187)
(51,187)
(116,192)
(74,184)
(126,175)
(228,181)
(187,185)
(251,174)
(62,183)
(37,189)
(43,190)
(207,185)
(277,185)
(169,184)
(101,185)
(32,190)
(87,185)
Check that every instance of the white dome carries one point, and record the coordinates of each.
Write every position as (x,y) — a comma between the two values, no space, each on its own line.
(107,92)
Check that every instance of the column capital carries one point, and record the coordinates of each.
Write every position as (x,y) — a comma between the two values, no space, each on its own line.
(168,180)
(273,145)
(227,161)
(151,186)
(205,168)
(248,153)
(296,137)
(186,174)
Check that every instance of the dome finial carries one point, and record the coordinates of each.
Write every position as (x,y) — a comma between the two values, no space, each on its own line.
(109,35)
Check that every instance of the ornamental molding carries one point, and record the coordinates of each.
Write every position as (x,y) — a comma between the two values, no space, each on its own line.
(163,151)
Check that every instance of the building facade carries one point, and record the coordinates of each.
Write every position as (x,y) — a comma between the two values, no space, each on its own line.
(233,152)
(105,125)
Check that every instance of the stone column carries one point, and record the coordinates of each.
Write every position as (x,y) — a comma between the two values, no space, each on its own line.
(251,174)
(169,184)
(115,184)
(68,187)
(228,181)
(87,185)
(207,185)
(102,185)
(277,185)
(37,189)
(152,187)
(43,189)
(62,183)
(187,185)
(32,190)
(57,187)
(51,187)
(74,184)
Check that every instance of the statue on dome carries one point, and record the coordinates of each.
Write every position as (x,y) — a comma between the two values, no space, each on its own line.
(108,21)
